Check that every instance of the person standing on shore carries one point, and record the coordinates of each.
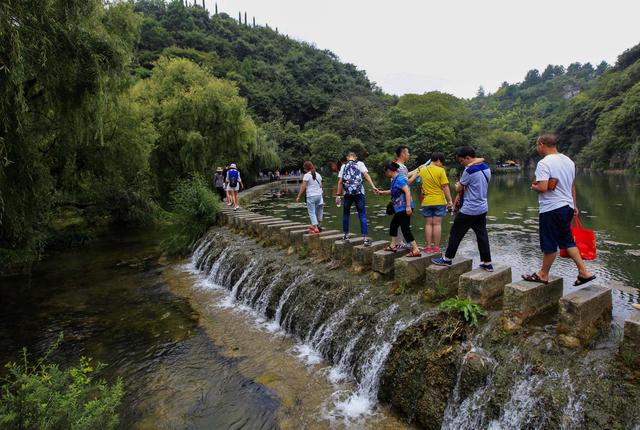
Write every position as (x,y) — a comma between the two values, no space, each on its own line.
(473,213)
(350,181)
(312,186)
(556,188)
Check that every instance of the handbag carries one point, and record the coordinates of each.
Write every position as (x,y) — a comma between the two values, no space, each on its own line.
(390,208)
(585,241)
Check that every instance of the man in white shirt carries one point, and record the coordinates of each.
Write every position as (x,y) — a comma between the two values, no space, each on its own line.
(350,180)
(555,183)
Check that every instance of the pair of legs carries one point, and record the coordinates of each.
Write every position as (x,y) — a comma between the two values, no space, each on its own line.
(402,221)
(358,200)
(555,232)
(461,225)
(433,225)
(233,196)
(228,192)
(221,192)
(315,208)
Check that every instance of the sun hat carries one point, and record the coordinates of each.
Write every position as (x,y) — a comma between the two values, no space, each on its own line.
(232,166)
(219,169)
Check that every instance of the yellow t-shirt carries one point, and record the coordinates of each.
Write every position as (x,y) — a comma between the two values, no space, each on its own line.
(433,178)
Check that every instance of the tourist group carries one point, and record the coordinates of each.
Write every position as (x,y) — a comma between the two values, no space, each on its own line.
(554,182)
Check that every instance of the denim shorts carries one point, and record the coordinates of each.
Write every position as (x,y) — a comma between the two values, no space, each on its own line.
(555,230)
(431,211)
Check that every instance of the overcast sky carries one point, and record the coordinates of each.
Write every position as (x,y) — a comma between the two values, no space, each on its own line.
(453,46)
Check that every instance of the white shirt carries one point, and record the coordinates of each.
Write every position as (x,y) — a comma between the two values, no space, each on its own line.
(363,169)
(314,187)
(560,167)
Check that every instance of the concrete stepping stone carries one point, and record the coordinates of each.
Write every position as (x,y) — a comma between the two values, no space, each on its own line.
(295,236)
(383,261)
(630,348)
(524,300)
(482,287)
(256,225)
(312,240)
(362,256)
(343,249)
(327,244)
(446,279)
(582,313)
(271,231)
(285,239)
(411,270)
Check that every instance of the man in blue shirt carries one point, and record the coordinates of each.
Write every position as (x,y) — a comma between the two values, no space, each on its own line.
(472,189)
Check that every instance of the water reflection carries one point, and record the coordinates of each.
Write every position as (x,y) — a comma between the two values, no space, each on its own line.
(609,204)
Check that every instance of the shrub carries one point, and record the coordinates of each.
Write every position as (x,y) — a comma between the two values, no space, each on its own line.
(44,396)
(194,208)
(468,310)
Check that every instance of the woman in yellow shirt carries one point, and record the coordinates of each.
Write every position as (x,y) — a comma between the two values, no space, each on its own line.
(436,199)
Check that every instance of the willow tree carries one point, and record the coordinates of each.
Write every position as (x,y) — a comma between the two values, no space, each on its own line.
(59,60)
(201,121)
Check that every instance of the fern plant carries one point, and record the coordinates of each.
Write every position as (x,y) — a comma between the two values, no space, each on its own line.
(469,311)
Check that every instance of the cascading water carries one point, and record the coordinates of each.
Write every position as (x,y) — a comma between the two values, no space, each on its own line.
(320,323)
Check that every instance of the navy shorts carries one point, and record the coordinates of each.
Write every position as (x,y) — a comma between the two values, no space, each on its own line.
(431,211)
(555,230)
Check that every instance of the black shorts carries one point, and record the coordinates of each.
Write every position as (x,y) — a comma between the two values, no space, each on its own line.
(555,230)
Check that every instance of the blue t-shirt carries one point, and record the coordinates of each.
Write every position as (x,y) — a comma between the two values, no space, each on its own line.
(475,180)
(397,193)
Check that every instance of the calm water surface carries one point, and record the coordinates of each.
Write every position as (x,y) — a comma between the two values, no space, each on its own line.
(609,204)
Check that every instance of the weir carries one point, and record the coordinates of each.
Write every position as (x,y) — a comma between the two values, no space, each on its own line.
(418,359)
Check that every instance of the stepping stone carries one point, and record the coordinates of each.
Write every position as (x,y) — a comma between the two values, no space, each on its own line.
(271,231)
(441,280)
(582,312)
(411,270)
(383,261)
(524,300)
(285,239)
(327,244)
(244,221)
(312,241)
(255,226)
(362,256)
(343,249)
(482,287)
(630,348)
(295,236)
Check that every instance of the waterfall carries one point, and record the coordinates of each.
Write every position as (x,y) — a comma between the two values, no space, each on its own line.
(320,325)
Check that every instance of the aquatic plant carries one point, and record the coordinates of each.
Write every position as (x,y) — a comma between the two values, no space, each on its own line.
(469,311)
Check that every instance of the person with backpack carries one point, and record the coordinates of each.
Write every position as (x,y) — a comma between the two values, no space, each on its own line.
(350,181)
(473,184)
(312,186)
(234,184)
(436,200)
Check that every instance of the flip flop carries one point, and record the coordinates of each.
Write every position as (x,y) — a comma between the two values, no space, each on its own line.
(414,254)
(389,248)
(533,278)
(580,280)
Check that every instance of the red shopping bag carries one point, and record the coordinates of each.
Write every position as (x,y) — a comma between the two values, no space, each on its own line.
(585,241)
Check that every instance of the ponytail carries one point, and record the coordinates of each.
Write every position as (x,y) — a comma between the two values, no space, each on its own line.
(309,167)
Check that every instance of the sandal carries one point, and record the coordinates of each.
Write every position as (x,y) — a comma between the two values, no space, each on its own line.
(390,248)
(534,278)
(415,253)
(580,280)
